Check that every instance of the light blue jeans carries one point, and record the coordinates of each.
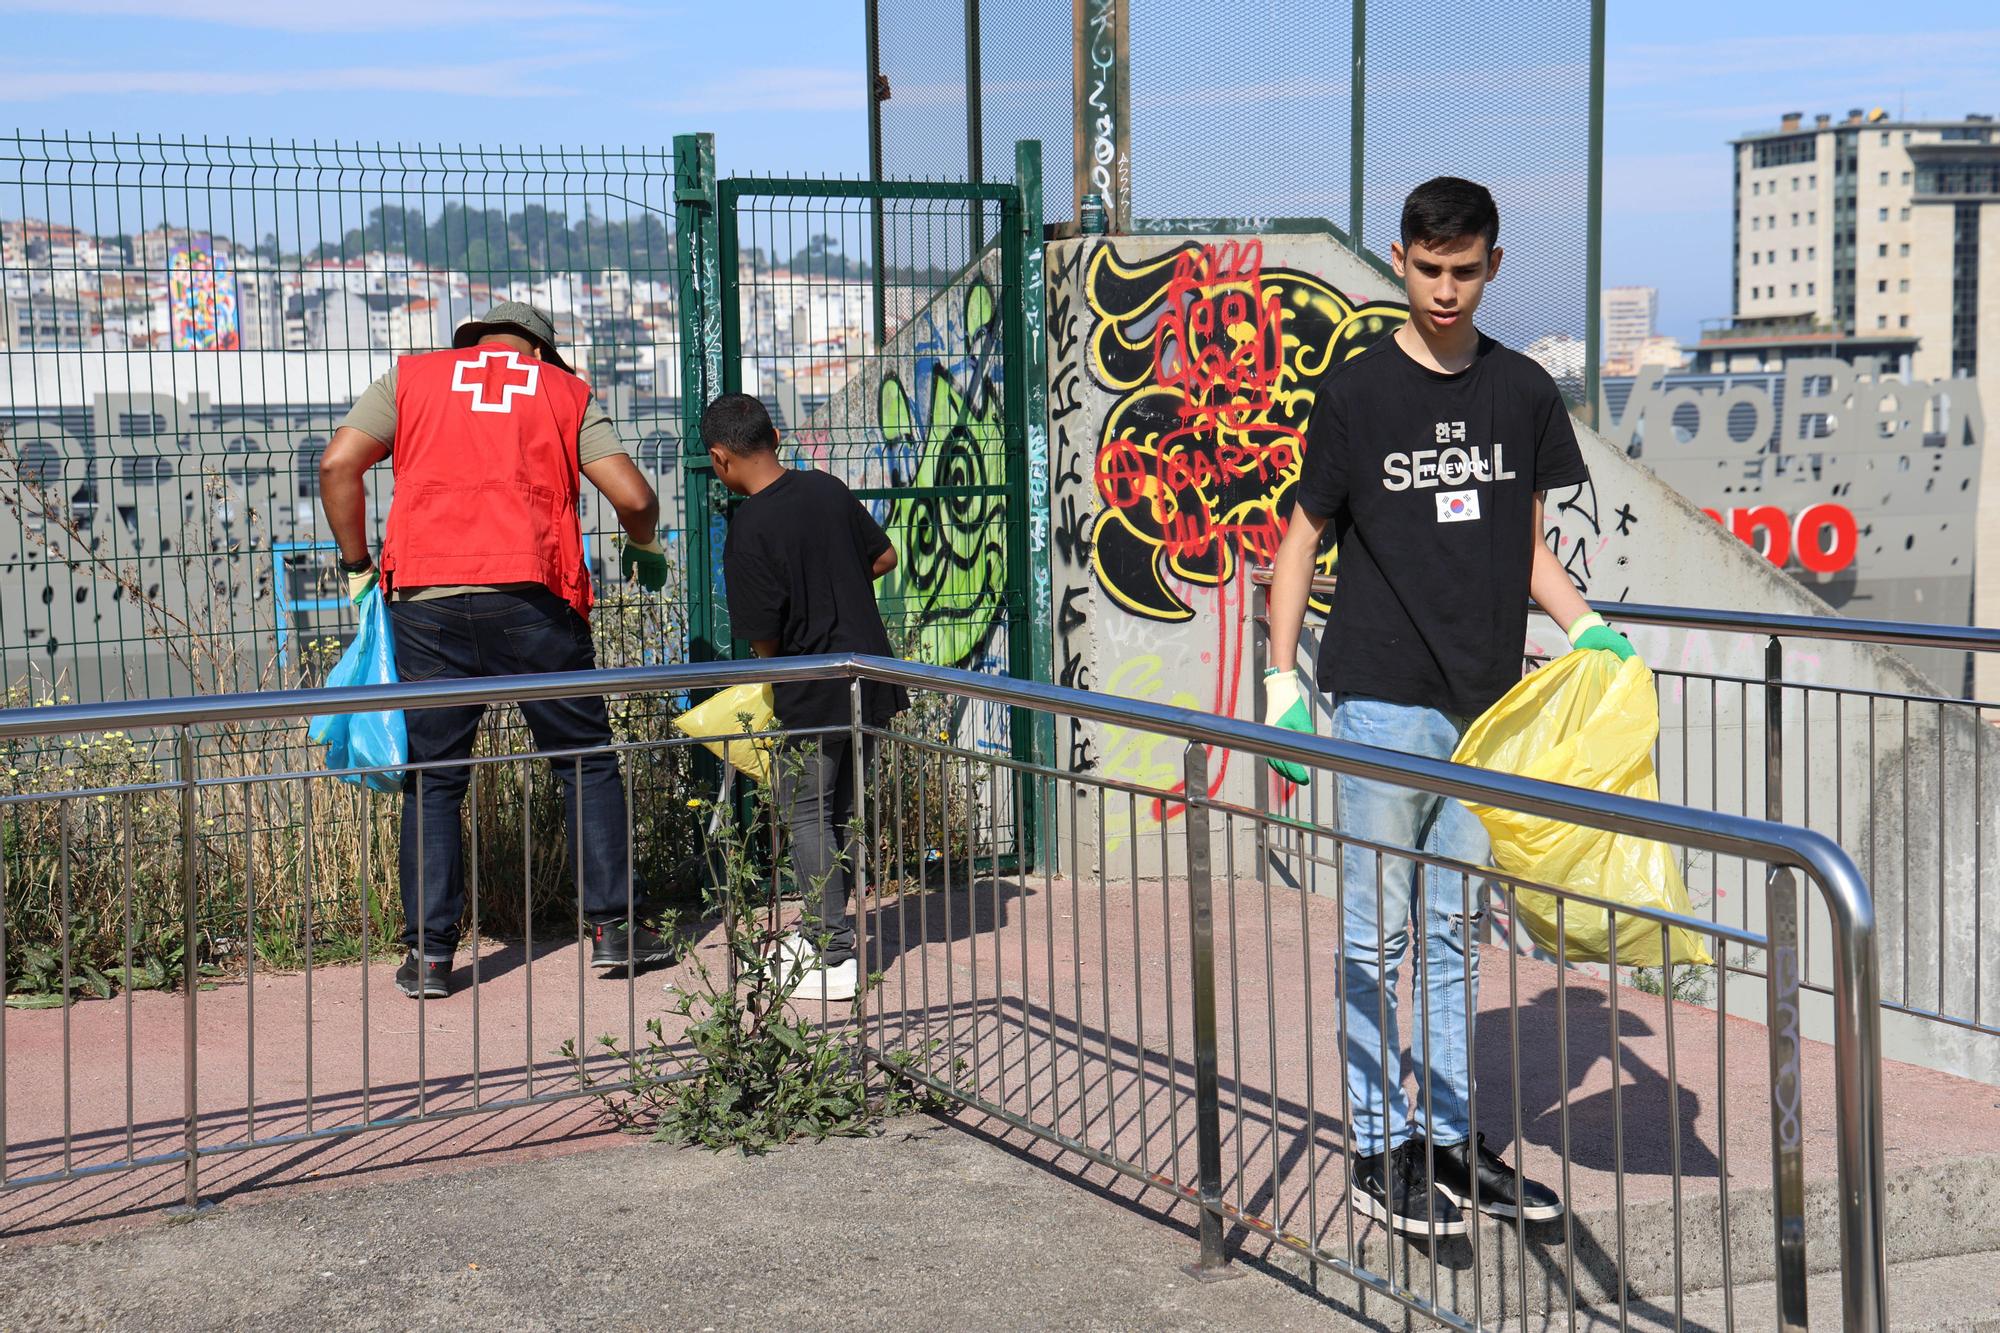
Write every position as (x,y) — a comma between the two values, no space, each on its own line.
(1376,934)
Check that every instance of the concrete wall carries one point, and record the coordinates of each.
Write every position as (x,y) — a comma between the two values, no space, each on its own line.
(1181,373)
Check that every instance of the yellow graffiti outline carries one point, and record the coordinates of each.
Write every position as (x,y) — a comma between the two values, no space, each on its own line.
(1299,370)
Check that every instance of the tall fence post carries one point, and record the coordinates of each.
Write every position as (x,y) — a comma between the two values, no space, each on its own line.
(1029,364)
(1214,1263)
(701,376)
(1593,222)
(1357,120)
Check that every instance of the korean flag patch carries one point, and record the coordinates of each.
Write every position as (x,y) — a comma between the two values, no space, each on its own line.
(1458,507)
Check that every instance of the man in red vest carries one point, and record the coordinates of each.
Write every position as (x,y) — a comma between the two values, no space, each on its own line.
(482,556)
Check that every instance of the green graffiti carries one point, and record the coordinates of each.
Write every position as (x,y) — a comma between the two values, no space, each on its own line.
(949,586)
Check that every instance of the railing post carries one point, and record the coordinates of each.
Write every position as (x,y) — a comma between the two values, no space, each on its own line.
(1260,662)
(1788,1163)
(1214,1263)
(190,980)
(1774,731)
(1857,1077)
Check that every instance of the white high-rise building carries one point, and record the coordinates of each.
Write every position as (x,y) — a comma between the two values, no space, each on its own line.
(1629,313)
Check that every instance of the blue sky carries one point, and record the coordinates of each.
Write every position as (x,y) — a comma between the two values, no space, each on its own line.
(779,81)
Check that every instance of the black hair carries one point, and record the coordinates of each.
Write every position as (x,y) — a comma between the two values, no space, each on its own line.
(737,422)
(1446,209)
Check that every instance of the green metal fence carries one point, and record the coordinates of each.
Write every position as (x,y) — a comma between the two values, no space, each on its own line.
(183,324)
(897,326)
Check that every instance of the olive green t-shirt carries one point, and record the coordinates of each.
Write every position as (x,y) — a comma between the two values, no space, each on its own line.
(374,415)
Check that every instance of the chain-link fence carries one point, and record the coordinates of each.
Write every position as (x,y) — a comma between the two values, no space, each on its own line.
(1288,110)
(183,325)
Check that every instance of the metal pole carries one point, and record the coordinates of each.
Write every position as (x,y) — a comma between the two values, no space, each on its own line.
(874,21)
(1214,1262)
(1357,120)
(190,978)
(701,371)
(1593,208)
(975,125)
(1788,1172)
(1857,1079)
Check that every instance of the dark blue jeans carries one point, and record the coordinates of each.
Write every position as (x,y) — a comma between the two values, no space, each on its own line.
(500,634)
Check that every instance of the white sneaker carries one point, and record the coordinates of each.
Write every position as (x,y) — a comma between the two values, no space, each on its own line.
(817,981)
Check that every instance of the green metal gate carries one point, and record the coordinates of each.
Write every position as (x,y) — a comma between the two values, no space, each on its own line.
(894,330)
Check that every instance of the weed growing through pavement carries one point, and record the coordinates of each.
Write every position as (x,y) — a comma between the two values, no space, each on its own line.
(752,1069)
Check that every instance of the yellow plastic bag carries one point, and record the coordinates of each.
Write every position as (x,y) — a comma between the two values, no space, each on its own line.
(1585,720)
(723,716)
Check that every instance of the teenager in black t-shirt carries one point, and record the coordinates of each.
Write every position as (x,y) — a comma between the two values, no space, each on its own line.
(1428,455)
(800,563)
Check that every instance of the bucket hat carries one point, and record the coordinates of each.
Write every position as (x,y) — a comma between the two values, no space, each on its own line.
(514,317)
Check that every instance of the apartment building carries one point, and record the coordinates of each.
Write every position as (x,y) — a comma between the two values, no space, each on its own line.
(1629,314)
(1872,235)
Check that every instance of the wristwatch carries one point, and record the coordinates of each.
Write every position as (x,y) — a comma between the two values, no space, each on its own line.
(361,566)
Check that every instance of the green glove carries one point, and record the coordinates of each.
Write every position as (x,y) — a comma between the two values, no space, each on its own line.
(1590,632)
(360,585)
(645,561)
(1284,707)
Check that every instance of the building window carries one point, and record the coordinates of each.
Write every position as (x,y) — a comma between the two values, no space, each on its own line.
(1904,250)
(1795,219)
(1906,178)
(1881,321)
(1812,218)
(1812,181)
(1965,289)
(1885,138)
(1882,285)
(1785,152)
(1770,256)
(1812,251)
(1795,289)
(1903,215)
(1756,257)
(1906,136)
(1881,215)
(1811,288)
(1884,179)
(1795,254)
(1902,321)
(1902,284)
(1882,250)
(1756,224)
(1756,188)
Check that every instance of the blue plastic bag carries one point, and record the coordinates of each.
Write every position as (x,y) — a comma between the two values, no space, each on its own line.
(375,741)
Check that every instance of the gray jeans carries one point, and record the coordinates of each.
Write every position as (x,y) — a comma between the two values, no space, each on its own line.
(815,779)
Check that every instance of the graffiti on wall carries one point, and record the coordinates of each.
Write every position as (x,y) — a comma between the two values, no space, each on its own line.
(942,438)
(1211,359)
(1214,359)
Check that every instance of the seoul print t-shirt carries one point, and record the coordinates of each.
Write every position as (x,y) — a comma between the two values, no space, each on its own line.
(1429,481)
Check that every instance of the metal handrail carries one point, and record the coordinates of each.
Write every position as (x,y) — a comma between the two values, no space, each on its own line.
(1895,633)
(1856,1014)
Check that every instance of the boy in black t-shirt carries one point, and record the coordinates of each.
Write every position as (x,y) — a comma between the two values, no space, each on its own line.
(800,563)
(1429,455)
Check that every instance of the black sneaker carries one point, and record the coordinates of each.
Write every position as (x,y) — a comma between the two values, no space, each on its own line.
(430,980)
(614,944)
(1455,1167)
(1390,1187)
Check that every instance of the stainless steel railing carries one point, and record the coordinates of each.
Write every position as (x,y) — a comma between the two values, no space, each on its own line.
(1907,779)
(1128,1022)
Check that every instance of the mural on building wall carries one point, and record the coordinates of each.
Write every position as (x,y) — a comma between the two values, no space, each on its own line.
(201,294)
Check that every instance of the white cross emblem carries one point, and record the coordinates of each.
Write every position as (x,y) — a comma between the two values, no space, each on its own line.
(480,377)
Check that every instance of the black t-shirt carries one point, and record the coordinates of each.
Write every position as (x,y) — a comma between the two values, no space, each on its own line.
(796,564)
(1429,480)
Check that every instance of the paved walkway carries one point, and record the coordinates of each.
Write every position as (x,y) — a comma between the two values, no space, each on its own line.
(1064,1003)
(922,1228)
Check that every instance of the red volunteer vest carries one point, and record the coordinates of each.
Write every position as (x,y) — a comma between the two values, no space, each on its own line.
(486,473)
